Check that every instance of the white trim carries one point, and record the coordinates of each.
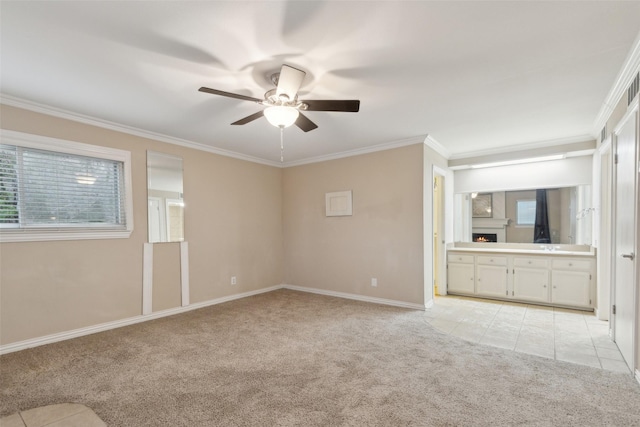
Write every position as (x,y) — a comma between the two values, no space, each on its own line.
(626,75)
(63,146)
(15,235)
(355,297)
(430,142)
(184,272)
(147,279)
(358,151)
(523,147)
(40,142)
(49,339)
(81,118)
(638,376)
(429,304)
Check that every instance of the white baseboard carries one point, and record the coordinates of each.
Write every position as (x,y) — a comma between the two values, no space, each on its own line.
(75,333)
(356,297)
(638,375)
(61,336)
(429,304)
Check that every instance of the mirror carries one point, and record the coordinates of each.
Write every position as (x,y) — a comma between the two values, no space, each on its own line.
(165,203)
(509,216)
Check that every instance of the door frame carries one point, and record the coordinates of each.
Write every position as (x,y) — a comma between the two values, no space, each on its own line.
(604,223)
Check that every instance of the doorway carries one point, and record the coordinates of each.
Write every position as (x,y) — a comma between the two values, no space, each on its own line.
(438,238)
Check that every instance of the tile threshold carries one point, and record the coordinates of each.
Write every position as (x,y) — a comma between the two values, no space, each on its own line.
(562,334)
(59,415)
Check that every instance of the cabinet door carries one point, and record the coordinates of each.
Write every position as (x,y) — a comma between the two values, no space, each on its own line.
(571,288)
(531,284)
(461,278)
(491,280)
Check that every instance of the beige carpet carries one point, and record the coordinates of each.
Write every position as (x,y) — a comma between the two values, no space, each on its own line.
(287,358)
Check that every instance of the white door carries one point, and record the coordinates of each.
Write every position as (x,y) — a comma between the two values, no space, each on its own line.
(625,232)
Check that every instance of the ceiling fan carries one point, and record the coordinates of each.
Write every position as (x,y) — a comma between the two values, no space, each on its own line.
(283,107)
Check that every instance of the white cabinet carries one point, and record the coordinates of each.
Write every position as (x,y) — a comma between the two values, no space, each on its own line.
(571,282)
(530,279)
(550,279)
(491,276)
(461,273)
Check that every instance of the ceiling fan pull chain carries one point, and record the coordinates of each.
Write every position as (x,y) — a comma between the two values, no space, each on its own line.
(281,144)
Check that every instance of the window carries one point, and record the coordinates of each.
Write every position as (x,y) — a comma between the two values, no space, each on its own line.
(525,212)
(59,190)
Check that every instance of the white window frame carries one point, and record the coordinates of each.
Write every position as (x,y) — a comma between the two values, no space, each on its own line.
(524,225)
(39,142)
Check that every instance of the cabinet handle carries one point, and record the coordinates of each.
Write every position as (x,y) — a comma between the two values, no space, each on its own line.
(570,264)
(630,256)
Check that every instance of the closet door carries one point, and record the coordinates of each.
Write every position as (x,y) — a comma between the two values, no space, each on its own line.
(624,262)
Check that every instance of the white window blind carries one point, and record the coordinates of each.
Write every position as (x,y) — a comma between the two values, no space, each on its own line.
(525,212)
(42,189)
(53,189)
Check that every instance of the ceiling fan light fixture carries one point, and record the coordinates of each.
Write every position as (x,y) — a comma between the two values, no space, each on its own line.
(281,116)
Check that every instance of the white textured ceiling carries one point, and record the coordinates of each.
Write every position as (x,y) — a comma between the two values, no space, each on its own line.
(475,76)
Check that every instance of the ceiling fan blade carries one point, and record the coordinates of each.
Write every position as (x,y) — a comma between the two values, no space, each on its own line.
(250,118)
(350,106)
(304,123)
(229,94)
(289,82)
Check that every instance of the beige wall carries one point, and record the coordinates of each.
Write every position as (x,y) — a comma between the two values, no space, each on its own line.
(383,238)
(233,223)
(262,224)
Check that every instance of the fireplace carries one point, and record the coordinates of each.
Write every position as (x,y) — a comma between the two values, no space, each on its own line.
(485,237)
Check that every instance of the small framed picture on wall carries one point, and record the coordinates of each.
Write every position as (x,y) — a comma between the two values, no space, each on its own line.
(482,205)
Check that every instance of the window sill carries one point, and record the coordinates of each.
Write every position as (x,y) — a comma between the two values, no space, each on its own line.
(40,236)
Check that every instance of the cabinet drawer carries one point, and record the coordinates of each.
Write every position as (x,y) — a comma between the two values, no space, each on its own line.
(531,262)
(570,264)
(492,260)
(464,259)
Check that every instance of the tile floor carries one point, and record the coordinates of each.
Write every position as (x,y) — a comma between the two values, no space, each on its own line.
(568,335)
(61,415)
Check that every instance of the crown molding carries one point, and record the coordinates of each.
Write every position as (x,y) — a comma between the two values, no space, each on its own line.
(437,147)
(359,151)
(13,101)
(627,73)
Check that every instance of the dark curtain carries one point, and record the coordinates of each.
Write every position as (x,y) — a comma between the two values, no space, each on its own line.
(541,233)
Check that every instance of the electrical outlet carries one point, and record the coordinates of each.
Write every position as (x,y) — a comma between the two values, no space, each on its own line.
(233,280)
(374,282)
